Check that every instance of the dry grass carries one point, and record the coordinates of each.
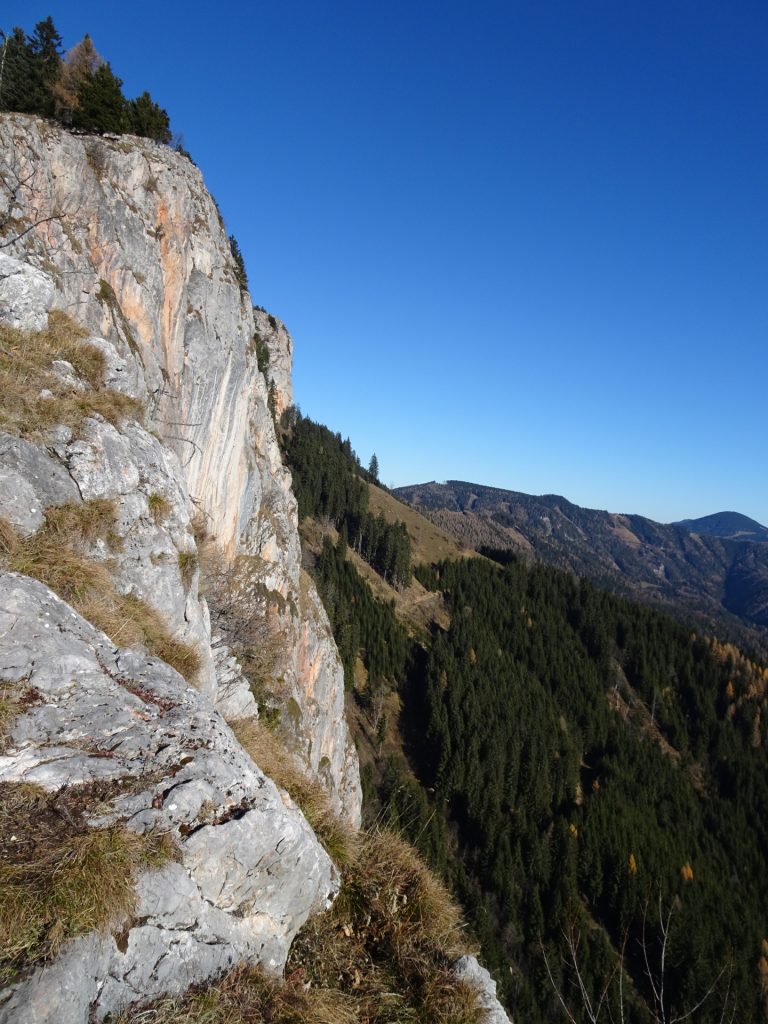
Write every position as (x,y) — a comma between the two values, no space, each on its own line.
(55,555)
(272,755)
(250,997)
(381,955)
(26,359)
(159,507)
(130,621)
(60,878)
(389,940)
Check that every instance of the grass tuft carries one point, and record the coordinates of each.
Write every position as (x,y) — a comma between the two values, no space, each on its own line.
(60,878)
(74,577)
(81,523)
(26,359)
(55,556)
(187,567)
(159,507)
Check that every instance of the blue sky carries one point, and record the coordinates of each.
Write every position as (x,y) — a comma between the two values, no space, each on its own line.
(520,243)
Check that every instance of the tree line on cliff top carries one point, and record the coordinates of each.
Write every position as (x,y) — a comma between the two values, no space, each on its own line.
(78,89)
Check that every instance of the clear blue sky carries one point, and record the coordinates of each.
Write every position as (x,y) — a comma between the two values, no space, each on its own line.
(519,243)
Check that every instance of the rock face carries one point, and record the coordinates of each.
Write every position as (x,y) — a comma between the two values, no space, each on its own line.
(279,344)
(467,969)
(251,869)
(122,235)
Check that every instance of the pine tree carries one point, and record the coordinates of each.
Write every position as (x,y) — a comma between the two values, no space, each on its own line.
(373,468)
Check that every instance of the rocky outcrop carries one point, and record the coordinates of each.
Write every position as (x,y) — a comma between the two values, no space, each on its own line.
(250,868)
(279,344)
(468,970)
(121,234)
(26,295)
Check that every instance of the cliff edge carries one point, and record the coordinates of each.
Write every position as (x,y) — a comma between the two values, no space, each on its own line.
(135,474)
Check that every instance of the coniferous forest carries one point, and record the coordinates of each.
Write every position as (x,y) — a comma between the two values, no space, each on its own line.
(330,485)
(589,776)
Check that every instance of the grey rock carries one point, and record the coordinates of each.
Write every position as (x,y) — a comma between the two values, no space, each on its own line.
(123,375)
(234,698)
(279,344)
(66,373)
(467,969)
(19,503)
(62,992)
(26,295)
(44,474)
(251,869)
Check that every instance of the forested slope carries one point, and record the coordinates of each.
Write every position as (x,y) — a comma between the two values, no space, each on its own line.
(578,767)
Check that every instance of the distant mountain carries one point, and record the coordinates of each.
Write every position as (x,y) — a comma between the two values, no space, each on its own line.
(718,582)
(728,525)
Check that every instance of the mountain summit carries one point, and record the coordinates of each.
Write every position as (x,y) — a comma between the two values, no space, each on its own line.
(728,525)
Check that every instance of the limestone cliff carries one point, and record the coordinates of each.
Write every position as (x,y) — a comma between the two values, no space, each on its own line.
(121,234)
(136,251)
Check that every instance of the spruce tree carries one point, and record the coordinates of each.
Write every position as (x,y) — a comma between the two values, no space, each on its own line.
(44,47)
(17,84)
(146,118)
(101,104)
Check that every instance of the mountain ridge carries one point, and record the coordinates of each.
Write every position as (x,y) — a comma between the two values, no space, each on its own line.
(719,583)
